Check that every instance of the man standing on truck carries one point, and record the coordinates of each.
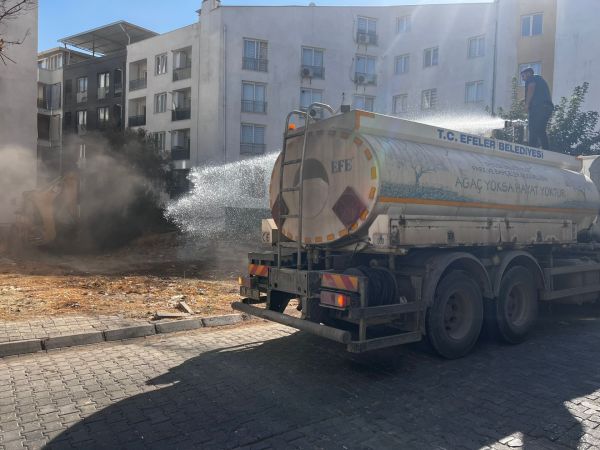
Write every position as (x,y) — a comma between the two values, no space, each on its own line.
(538,104)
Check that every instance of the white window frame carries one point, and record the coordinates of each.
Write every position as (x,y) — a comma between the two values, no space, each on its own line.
(185,136)
(365,99)
(82,114)
(367,59)
(403,24)
(536,66)
(79,79)
(370,25)
(105,117)
(160,140)
(530,19)
(313,92)
(402,64)
(403,99)
(161,64)
(478,91)
(479,47)
(158,102)
(431,57)
(429,99)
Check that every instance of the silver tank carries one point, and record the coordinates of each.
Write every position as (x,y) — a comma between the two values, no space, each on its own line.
(362,165)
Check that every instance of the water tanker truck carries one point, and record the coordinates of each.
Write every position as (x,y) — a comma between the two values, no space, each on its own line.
(387,231)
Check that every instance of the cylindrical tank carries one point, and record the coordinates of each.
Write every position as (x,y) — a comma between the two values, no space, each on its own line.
(359,165)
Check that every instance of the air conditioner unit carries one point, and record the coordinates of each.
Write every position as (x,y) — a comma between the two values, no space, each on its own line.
(307,72)
(361,79)
(364,39)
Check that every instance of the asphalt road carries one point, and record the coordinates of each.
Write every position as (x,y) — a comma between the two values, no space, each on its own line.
(268,386)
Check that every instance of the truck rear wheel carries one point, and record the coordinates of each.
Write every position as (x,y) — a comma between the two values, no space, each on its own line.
(516,308)
(454,320)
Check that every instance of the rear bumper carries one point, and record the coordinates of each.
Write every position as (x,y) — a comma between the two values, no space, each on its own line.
(341,336)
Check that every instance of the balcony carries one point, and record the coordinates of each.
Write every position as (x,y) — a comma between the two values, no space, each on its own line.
(139,83)
(252,149)
(256,64)
(312,72)
(82,97)
(181,113)
(179,153)
(365,79)
(137,121)
(253,106)
(182,73)
(103,92)
(118,90)
(366,38)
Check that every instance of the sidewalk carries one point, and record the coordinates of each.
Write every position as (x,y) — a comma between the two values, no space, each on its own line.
(61,326)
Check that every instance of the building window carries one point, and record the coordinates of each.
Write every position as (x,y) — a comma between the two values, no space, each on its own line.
(366,31)
(400,104)
(182,104)
(180,144)
(103,115)
(403,24)
(428,99)
(82,89)
(255,55)
(52,62)
(138,75)
(103,85)
(159,138)
(182,64)
(476,47)
(364,102)
(310,96)
(536,66)
(474,92)
(531,25)
(161,64)
(365,70)
(252,139)
(254,97)
(430,57)
(402,64)
(312,63)
(160,102)
(81,120)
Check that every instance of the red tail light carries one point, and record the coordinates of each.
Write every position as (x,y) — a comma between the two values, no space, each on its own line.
(335,299)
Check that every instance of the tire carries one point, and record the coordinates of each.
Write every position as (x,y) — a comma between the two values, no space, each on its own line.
(454,320)
(516,308)
(278,301)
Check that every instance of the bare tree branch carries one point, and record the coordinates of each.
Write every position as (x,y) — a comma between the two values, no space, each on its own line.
(10,10)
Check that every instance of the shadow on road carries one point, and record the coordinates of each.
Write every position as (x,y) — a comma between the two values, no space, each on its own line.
(302,391)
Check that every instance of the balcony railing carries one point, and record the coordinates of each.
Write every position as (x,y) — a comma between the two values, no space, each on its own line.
(366,38)
(137,121)
(253,106)
(312,72)
(45,103)
(118,90)
(139,83)
(362,78)
(82,97)
(257,64)
(182,73)
(179,153)
(252,149)
(181,113)
(103,92)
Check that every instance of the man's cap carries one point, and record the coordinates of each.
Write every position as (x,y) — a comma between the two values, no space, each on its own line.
(528,69)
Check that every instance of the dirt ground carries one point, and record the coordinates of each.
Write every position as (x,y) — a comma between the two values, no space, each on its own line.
(152,274)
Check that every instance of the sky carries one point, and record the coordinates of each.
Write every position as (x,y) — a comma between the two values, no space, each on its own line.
(62,18)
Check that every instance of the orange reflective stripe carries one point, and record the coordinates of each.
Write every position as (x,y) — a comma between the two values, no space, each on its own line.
(338,281)
(258,270)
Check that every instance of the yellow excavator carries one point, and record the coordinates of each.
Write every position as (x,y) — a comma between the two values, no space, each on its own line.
(48,213)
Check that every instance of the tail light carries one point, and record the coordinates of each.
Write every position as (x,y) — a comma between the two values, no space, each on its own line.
(335,299)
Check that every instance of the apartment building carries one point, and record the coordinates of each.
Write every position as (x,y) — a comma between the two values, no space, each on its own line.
(94,95)
(18,133)
(49,104)
(162,79)
(576,54)
(252,65)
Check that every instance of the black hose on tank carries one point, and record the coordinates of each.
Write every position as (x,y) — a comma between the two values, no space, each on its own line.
(381,288)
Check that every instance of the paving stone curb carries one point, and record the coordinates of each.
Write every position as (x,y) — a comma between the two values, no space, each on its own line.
(116,334)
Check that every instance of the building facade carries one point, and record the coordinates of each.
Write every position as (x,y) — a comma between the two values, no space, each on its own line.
(18,125)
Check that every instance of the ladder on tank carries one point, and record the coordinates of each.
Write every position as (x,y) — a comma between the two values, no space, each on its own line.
(299,188)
